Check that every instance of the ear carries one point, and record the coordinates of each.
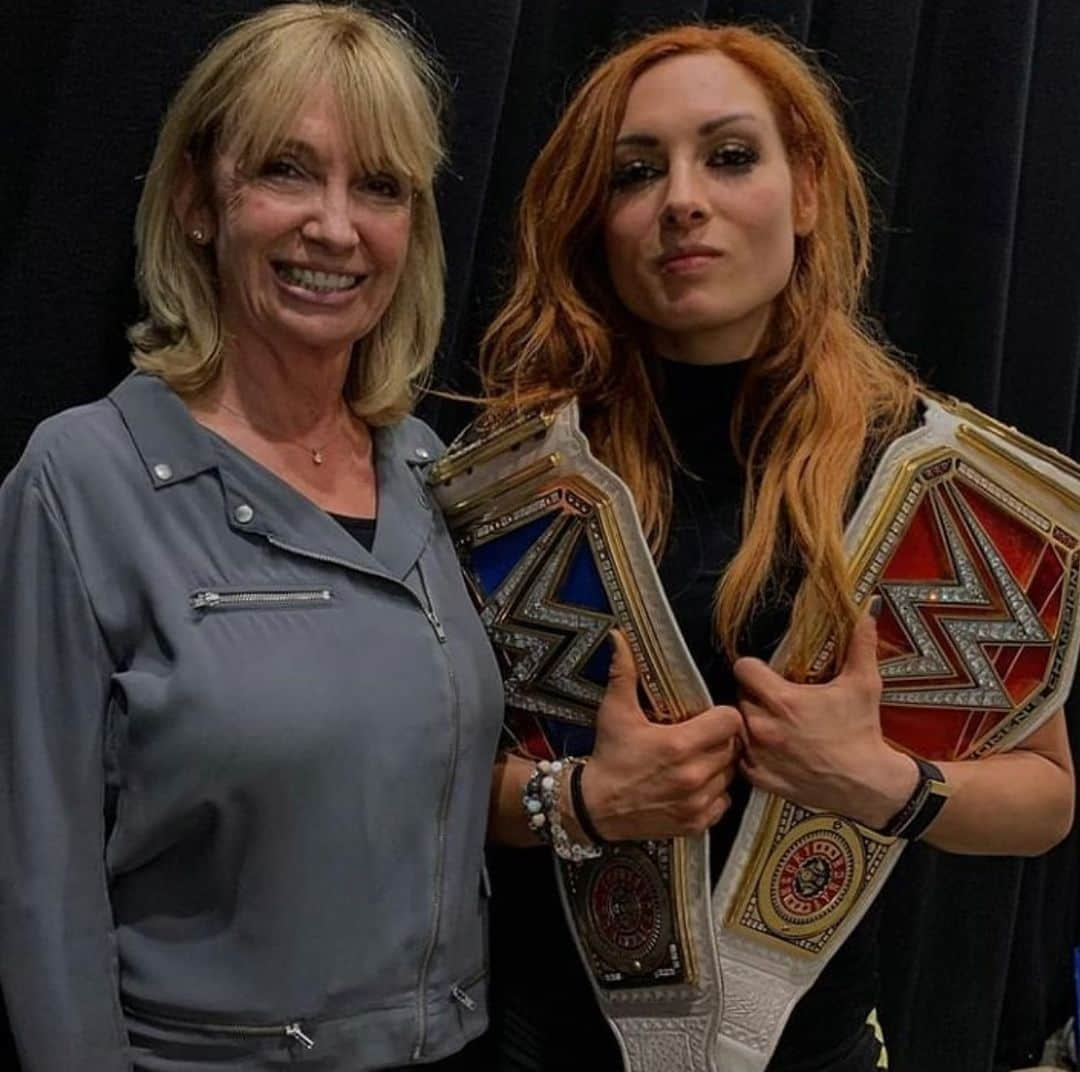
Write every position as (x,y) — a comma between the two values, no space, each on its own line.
(804,197)
(190,203)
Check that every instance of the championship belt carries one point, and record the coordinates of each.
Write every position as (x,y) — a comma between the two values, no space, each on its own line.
(554,555)
(971,535)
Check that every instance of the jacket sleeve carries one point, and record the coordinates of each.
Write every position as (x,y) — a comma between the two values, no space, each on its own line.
(58,961)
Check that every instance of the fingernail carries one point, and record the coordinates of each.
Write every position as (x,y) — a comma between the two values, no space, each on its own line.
(876,603)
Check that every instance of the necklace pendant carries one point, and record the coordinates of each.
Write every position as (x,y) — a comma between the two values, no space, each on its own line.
(316,457)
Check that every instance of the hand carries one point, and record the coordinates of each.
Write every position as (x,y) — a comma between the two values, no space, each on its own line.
(653,780)
(821,745)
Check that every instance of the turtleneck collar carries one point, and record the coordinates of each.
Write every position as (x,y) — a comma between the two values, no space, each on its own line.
(696,402)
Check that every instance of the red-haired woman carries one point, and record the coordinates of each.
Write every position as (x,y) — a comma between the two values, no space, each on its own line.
(693,245)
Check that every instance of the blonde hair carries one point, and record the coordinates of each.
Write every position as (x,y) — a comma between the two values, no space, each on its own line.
(245,93)
(818,395)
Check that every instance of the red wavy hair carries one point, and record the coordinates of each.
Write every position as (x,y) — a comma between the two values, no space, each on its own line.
(819,394)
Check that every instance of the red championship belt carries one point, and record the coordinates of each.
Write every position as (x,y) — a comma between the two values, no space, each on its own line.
(970,534)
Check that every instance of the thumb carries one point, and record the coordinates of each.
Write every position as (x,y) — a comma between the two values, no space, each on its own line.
(621,695)
(862,655)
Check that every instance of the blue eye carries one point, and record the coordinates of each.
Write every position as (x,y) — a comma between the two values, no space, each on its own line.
(634,173)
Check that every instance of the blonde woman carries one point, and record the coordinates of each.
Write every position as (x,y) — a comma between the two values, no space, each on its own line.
(248,712)
(693,242)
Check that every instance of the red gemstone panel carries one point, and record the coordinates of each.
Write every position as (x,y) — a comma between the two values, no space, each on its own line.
(921,555)
(1051,613)
(930,732)
(1018,544)
(532,739)
(1045,589)
(980,723)
(943,733)
(1002,659)
(891,638)
(1028,672)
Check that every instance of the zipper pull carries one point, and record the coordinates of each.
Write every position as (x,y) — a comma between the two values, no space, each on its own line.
(462,998)
(296,1033)
(202,600)
(432,617)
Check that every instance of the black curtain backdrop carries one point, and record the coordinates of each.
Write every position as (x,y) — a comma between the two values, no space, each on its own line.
(965,112)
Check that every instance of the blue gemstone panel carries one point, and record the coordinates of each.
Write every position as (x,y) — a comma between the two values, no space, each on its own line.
(598,665)
(568,739)
(582,586)
(491,562)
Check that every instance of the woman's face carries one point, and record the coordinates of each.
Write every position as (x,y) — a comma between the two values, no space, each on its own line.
(704,209)
(309,250)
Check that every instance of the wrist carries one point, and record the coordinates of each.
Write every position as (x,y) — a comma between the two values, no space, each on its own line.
(893,782)
(596,801)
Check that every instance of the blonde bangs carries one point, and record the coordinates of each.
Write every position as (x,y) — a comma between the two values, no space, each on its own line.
(390,123)
(387,111)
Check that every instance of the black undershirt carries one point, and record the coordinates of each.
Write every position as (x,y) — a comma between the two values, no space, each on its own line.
(361,529)
(544,1014)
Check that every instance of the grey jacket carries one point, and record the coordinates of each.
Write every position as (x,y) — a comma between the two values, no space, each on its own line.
(244,764)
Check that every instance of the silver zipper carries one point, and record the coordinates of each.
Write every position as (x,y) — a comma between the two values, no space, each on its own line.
(209,599)
(293,1031)
(444,808)
(429,610)
(459,991)
(462,998)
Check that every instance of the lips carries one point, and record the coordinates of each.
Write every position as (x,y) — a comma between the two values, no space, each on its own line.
(688,258)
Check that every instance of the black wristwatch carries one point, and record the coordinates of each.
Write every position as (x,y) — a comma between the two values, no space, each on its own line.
(922,807)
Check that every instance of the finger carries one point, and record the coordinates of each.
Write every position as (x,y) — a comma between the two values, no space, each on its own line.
(760,777)
(720,808)
(862,653)
(758,679)
(719,783)
(715,729)
(763,729)
(621,695)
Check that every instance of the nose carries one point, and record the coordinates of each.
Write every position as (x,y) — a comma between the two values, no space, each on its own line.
(331,221)
(685,204)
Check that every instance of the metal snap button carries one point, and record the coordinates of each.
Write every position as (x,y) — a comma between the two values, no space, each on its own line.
(163,471)
(423,454)
(243,513)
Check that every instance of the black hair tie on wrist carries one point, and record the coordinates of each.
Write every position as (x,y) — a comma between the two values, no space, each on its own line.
(577,798)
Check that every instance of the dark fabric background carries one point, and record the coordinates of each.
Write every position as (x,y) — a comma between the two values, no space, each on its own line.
(967,114)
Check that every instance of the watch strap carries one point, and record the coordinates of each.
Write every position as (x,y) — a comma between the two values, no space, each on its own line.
(922,807)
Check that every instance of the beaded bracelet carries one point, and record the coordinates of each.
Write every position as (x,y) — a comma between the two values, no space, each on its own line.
(542,798)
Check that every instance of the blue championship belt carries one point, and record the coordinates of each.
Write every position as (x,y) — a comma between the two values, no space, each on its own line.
(554,555)
(971,535)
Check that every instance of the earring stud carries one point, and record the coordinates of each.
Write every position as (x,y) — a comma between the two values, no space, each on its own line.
(198,235)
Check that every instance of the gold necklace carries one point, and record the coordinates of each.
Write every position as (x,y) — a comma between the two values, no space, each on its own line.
(317,457)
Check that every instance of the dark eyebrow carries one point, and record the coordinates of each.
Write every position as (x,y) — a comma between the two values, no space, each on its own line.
(649,141)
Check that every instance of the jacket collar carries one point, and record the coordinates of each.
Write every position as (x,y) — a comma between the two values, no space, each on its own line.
(171,445)
(174,447)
